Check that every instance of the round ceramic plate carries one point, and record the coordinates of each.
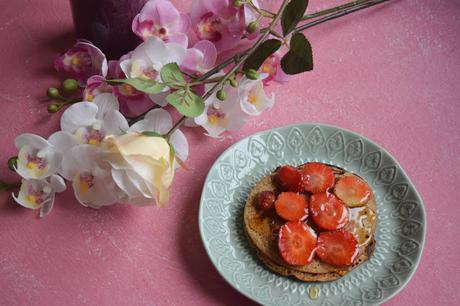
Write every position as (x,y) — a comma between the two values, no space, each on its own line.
(401,216)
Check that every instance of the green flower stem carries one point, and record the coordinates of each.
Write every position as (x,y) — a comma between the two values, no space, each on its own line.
(237,66)
(230,60)
(334,9)
(338,14)
(9,186)
(210,80)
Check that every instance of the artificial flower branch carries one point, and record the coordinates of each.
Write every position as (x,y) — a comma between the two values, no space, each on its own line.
(117,142)
(241,57)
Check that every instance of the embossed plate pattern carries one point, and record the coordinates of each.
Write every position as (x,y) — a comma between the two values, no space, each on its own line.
(401,216)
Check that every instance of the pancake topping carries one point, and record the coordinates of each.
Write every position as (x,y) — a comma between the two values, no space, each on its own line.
(338,248)
(297,243)
(327,211)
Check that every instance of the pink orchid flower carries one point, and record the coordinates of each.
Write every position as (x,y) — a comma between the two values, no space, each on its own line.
(95,86)
(200,58)
(220,22)
(272,67)
(132,102)
(160,18)
(82,61)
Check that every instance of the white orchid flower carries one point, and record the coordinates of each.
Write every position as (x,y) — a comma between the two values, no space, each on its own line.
(219,116)
(39,194)
(252,96)
(90,122)
(92,183)
(160,121)
(149,57)
(147,60)
(37,158)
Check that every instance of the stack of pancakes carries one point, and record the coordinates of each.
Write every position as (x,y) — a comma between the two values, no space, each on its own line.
(262,232)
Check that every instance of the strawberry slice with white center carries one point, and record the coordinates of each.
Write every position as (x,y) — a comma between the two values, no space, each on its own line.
(296,243)
(353,191)
(338,248)
(320,177)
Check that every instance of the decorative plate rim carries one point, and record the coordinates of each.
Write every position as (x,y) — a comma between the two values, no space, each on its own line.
(411,273)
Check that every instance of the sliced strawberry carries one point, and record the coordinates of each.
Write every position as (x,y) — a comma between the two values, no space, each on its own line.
(319,176)
(338,248)
(291,206)
(327,211)
(290,178)
(265,200)
(353,191)
(296,243)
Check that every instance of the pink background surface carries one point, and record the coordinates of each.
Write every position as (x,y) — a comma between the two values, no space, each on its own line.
(390,73)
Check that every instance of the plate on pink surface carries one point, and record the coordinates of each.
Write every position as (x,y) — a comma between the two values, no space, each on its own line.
(400,230)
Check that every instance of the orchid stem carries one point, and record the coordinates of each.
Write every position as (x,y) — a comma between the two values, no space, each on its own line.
(334,9)
(338,14)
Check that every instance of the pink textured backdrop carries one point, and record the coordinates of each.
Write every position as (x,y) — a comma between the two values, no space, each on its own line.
(390,73)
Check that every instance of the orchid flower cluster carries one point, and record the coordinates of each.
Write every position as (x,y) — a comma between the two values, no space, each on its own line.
(118,142)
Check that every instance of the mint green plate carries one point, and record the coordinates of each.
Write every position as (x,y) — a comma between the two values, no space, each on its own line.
(401,216)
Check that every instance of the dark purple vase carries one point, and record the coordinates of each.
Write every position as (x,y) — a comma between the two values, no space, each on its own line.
(107,24)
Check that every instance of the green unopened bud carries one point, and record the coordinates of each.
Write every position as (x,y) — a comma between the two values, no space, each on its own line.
(252,27)
(221,95)
(52,92)
(70,85)
(233,83)
(53,107)
(13,163)
(252,74)
(237,3)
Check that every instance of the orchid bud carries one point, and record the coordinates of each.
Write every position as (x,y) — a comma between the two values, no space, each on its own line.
(13,163)
(252,27)
(237,3)
(221,95)
(233,83)
(53,107)
(52,92)
(252,74)
(70,85)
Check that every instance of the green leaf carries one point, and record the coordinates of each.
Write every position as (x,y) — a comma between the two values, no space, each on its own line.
(151,134)
(299,58)
(186,102)
(257,58)
(147,86)
(292,14)
(171,75)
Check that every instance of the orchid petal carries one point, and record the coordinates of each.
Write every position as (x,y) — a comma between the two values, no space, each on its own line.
(180,144)
(32,140)
(62,141)
(78,115)
(105,103)
(209,52)
(157,120)
(114,123)
(47,206)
